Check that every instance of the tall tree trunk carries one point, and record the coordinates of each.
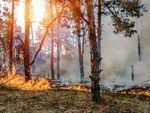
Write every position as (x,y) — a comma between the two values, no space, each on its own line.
(52,56)
(99,30)
(95,88)
(27,41)
(80,52)
(58,59)
(139,47)
(52,43)
(80,59)
(58,42)
(11,37)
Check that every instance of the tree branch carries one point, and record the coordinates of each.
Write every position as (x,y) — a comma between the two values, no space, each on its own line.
(44,37)
(78,11)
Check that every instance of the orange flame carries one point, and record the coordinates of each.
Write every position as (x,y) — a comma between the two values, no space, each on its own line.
(18,82)
(80,87)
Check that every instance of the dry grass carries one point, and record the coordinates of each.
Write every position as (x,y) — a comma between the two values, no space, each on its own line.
(68,101)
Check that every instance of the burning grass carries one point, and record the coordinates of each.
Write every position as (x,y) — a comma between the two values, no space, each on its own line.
(39,84)
(136,90)
(18,82)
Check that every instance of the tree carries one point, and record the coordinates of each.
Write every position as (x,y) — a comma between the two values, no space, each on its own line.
(99,32)
(27,41)
(52,42)
(75,9)
(58,42)
(95,88)
(80,53)
(11,36)
(121,13)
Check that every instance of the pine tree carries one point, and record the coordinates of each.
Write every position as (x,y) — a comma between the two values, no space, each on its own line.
(27,41)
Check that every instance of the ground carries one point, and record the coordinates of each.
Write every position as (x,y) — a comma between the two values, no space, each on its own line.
(69,101)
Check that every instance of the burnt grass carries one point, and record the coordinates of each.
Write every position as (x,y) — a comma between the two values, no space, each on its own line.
(69,101)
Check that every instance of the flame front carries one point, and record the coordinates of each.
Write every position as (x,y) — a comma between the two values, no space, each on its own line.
(18,82)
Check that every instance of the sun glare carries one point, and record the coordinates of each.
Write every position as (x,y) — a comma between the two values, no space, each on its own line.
(37,13)
(19,14)
(38,10)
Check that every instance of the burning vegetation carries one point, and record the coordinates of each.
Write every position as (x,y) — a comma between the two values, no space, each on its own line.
(40,84)
(18,82)
(137,90)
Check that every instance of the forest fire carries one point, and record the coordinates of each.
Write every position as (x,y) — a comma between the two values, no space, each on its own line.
(57,56)
(18,82)
(137,90)
(39,84)
(79,87)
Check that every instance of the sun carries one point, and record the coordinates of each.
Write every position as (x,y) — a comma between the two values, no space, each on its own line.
(37,13)
(38,10)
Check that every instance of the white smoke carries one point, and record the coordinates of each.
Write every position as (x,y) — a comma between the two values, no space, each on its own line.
(119,53)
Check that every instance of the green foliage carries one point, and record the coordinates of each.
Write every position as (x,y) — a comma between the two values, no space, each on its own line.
(123,14)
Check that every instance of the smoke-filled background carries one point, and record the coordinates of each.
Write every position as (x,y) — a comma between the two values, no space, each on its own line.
(118,53)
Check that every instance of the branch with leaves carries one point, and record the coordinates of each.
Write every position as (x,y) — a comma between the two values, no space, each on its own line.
(121,13)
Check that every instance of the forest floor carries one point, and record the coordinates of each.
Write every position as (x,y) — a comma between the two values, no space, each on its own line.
(69,101)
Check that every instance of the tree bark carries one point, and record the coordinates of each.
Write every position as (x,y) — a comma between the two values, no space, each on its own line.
(11,37)
(52,43)
(99,30)
(58,60)
(52,57)
(27,41)
(95,87)
(58,42)
(80,59)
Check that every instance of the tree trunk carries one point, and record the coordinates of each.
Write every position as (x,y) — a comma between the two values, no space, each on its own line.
(78,31)
(80,59)
(52,57)
(52,44)
(58,42)
(99,30)
(95,88)
(11,37)
(58,59)
(27,35)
